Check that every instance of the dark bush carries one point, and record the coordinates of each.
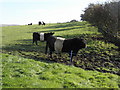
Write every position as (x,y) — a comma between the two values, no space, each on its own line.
(106,17)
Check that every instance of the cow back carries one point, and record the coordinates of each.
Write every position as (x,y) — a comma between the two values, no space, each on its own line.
(73,44)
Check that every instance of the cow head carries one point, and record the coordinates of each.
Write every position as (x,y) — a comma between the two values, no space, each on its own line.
(82,43)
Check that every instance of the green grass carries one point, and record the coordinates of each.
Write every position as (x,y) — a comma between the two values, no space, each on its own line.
(27,73)
(26,66)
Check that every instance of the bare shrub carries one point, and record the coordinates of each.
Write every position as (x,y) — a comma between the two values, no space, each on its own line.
(106,17)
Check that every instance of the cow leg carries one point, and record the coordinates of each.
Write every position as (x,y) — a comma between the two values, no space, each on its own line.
(36,42)
(50,50)
(33,42)
(71,56)
(46,48)
(50,53)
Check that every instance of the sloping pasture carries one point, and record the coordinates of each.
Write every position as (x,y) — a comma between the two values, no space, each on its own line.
(97,65)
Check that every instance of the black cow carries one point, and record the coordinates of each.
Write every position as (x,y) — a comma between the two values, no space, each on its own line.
(70,46)
(40,36)
(30,24)
(43,23)
(39,23)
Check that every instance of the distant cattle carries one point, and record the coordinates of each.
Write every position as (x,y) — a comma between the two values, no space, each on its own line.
(70,46)
(43,23)
(30,24)
(39,23)
(40,36)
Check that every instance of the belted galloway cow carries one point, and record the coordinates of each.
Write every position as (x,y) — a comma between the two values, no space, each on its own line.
(40,36)
(58,44)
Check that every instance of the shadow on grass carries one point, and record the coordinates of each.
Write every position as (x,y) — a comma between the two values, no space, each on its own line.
(26,49)
(64,25)
(58,30)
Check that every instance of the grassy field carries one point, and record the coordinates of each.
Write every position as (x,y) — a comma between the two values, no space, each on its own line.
(26,66)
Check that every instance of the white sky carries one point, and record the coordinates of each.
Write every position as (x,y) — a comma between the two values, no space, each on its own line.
(49,11)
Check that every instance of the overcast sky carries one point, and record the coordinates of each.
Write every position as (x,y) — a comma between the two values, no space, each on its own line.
(49,11)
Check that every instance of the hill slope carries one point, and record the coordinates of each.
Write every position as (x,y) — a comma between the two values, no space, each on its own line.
(30,63)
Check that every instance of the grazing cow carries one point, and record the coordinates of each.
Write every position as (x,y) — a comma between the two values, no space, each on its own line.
(40,36)
(70,46)
(39,23)
(30,24)
(43,23)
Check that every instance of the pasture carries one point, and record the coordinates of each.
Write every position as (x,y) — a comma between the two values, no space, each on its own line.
(25,65)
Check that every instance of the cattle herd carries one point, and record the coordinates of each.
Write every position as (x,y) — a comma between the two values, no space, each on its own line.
(39,23)
(59,44)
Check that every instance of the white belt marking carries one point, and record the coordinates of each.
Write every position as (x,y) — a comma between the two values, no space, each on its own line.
(41,36)
(59,44)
